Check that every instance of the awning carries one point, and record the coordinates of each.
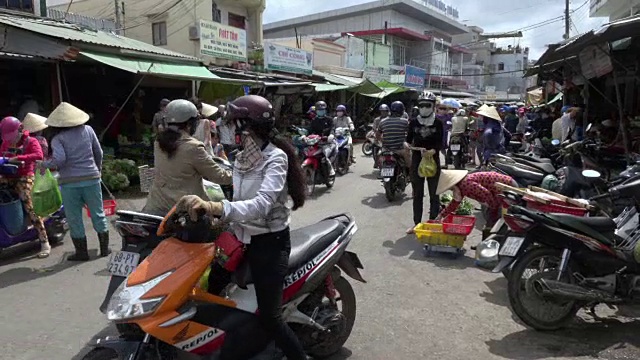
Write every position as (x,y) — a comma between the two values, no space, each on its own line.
(329,87)
(357,85)
(155,68)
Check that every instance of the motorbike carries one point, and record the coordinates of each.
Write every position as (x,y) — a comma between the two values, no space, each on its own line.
(320,152)
(369,143)
(171,315)
(581,261)
(55,224)
(342,160)
(458,152)
(298,139)
(394,173)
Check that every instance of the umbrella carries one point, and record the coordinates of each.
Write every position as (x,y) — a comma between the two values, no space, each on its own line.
(452,103)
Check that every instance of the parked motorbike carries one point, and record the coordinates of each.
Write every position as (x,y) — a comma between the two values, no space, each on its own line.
(342,161)
(581,261)
(394,174)
(319,154)
(171,315)
(458,152)
(55,224)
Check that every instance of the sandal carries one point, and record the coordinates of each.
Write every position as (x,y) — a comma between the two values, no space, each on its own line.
(410,231)
(45,251)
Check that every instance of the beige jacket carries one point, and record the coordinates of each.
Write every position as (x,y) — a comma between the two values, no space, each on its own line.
(182,175)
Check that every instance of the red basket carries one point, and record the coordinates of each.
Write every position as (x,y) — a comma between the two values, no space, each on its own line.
(109,208)
(458,224)
(555,207)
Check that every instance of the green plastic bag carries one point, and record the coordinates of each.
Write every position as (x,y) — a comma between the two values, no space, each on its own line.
(45,194)
(427,167)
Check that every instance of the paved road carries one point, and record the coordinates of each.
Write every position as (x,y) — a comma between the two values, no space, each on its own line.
(411,308)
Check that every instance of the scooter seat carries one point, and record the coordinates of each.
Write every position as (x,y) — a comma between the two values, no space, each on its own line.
(546,167)
(600,228)
(131,215)
(306,242)
(533,159)
(519,173)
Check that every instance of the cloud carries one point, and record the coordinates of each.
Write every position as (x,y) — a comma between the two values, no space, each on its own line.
(541,21)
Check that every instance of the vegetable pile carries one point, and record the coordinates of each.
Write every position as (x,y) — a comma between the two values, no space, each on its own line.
(465,208)
(117,173)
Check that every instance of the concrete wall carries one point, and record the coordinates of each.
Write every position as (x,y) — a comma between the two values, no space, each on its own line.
(512,74)
(140,16)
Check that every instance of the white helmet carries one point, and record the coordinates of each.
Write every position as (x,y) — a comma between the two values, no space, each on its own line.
(180,111)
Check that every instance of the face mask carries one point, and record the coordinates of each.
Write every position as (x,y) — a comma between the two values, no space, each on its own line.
(425,110)
(321,112)
(457,195)
(340,114)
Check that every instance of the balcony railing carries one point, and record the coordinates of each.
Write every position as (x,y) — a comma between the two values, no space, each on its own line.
(86,21)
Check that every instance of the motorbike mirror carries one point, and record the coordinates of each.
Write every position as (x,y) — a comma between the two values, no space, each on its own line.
(555,142)
(588,127)
(590,174)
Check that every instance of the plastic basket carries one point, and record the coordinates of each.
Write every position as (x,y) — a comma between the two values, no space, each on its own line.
(432,233)
(147,174)
(556,206)
(109,208)
(458,224)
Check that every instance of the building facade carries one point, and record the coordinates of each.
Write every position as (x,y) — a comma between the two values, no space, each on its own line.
(414,32)
(614,9)
(177,25)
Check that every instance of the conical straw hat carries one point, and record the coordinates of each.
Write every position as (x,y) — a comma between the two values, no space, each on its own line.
(67,115)
(34,123)
(449,178)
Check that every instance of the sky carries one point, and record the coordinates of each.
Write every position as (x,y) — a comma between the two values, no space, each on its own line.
(491,15)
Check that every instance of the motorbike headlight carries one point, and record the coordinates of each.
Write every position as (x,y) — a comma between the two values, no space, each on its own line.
(126,302)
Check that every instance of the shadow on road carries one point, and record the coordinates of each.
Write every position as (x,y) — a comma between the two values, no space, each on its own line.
(23,274)
(23,252)
(379,201)
(609,339)
(107,331)
(371,176)
(498,291)
(409,246)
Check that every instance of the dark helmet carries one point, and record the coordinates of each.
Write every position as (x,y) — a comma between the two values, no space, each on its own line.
(383,107)
(397,108)
(427,96)
(321,105)
(253,110)
(341,108)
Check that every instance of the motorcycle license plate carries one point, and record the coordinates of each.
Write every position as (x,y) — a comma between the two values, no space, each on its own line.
(511,246)
(387,172)
(122,263)
(455,147)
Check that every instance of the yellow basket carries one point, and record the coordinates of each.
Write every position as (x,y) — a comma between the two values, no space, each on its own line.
(432,234)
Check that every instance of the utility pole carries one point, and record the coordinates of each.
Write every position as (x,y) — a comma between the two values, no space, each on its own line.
(567,20)
(117,14)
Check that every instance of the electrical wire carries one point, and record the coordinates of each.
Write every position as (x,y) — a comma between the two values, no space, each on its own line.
(156,16)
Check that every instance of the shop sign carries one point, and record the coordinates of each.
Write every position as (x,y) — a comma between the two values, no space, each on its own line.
(414,76)
(377,74)
(286,59)
(222,41)
(595,61)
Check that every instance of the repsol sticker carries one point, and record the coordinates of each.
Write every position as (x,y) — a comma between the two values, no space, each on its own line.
(199,340)
(293,277)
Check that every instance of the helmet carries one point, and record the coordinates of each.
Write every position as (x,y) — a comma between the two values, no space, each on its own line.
(550,182)
(341,108)
(10,127)
(383,107)
(397,107)
(180,111)
(427,96)
(461,112)
(321,105)
(253,109)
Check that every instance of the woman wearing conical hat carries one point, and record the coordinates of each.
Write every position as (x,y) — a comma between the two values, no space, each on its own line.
(77,155)
(35,124)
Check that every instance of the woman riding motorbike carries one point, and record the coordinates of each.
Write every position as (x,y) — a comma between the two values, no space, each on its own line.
(19,146)
(342,120)
(495,135)
(181,161)
(266,173)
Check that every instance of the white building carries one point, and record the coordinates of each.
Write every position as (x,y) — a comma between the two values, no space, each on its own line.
(614,9)
(176,25)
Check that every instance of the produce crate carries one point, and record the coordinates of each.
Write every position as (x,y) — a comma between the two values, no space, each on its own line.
(432,234)
(109,208)
(555,207)
(458,224)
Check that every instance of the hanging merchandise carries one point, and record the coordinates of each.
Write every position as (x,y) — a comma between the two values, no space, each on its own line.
(427,167)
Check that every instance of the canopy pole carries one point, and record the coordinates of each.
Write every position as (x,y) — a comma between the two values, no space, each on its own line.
(59,82)
(101,137)
(623,120)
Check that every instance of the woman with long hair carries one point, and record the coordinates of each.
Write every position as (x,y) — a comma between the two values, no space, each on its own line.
(266,173)
(181,161)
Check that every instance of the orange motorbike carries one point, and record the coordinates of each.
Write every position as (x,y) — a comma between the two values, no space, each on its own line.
(167,313)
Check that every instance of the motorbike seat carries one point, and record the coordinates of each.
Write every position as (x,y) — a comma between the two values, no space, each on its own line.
(132,215)
(603,227)
(520,173)
(306,243)
(546,167)
(532,158)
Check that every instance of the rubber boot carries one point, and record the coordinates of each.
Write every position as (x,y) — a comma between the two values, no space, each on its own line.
(103,238)
(81,250)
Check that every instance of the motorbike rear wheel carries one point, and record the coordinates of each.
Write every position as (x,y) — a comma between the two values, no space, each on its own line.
(390,191)
(534,310)
(102,354)
(367,148)
(310,175)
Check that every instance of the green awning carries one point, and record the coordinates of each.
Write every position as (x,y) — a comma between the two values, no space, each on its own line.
(153,67)
(329,87)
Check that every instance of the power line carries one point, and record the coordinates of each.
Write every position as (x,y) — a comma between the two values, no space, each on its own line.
(152,18)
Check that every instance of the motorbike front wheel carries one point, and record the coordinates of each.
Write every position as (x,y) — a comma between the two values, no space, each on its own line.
(310,175)
(367,148)
(342,164)
(102,354)
(536,311)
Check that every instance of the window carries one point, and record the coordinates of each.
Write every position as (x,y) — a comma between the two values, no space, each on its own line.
(159,33)
(236,21)
(500,66)
(216,15)
(25,5)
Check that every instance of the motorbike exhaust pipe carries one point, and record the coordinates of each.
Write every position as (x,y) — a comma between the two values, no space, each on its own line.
(561,290)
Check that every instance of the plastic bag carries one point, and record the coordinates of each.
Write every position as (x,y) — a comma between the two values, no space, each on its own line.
(427,167)
(46,195)
(214,191)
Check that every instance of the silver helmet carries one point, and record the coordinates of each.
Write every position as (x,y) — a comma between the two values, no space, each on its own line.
(180,111)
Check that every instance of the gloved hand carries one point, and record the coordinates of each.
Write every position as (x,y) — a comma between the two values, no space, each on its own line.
(192,204)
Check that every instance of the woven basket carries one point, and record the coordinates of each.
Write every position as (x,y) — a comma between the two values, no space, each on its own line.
(147,175)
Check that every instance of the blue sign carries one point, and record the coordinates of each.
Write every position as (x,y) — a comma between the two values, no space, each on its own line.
(414,77)
(246,89)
